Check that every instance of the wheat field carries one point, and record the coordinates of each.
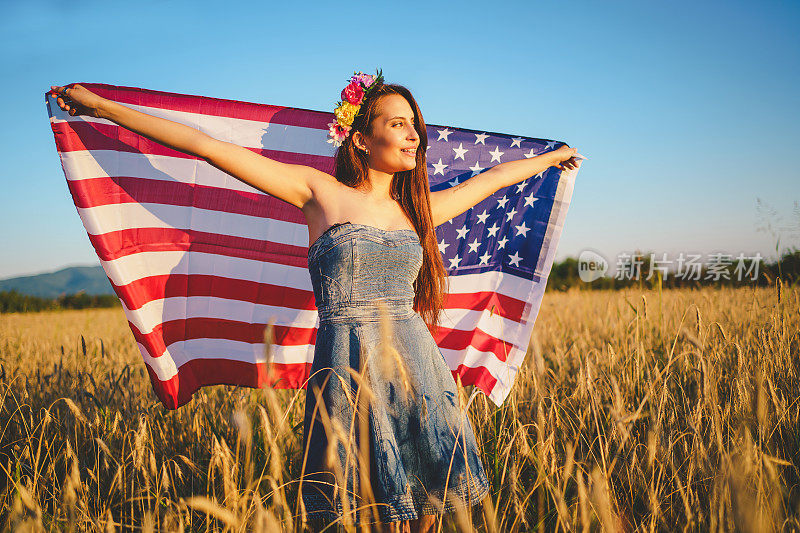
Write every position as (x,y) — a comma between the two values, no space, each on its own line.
(636,410)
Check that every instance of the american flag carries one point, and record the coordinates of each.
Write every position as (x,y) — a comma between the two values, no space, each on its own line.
(202,261)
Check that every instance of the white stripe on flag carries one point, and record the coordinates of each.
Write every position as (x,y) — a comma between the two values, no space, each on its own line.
(152,314)
(83,165)
(130,268)
(115,217)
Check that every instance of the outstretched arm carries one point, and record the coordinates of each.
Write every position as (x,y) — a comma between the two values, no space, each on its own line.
(291,183)
(452,202)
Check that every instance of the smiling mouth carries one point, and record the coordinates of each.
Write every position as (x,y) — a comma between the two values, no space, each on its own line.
(409,151)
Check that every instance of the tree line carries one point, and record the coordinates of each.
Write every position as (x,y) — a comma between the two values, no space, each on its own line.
(15,302)
(643,270)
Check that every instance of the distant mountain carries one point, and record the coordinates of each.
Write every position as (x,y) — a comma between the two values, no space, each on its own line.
(91,279)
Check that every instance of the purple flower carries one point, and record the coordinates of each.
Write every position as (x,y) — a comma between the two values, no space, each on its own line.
(364,79)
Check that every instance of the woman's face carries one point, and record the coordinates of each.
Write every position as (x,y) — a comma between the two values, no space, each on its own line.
(393,143)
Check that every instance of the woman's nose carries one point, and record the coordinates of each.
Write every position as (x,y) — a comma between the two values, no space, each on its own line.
(412,134)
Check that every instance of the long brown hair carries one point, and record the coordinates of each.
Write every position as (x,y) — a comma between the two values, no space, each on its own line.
(411,190)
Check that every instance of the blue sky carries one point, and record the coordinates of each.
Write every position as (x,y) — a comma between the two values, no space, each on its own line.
(687,111)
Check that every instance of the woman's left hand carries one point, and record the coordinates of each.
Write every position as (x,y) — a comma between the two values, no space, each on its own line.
(569,164)
(563,158)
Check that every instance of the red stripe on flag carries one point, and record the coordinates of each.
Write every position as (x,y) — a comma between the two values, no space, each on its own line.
(157,341)
(217,107)
(478,376)
(96,192)
(178,390)
(145,290)
(456,339)
(498,304)
(116,244)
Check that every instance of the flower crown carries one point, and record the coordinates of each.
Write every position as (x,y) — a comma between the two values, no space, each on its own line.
(359,86)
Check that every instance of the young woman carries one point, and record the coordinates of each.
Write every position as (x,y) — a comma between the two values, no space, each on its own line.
(371,235)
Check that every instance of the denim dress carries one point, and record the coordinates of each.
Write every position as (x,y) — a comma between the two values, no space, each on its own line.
(421,446)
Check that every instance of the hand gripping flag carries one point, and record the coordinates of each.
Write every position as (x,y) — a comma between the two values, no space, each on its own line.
(202,261)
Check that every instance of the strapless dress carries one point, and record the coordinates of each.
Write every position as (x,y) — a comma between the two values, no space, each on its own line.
(422,449)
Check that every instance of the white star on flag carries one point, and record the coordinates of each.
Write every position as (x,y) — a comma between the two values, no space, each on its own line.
(515,259)
(454,262)
(492,230)
(511,214)
(460,151)
(551,144)
(485,258)
(482,217)
(439,167)
(530,154)
(476,169)
(443,134)
(473,246)
(496,154)
(530,199)
(443,246)
(502,243)
(501,203)
(515,142)
(480,137)
(462,232)
(521,186)
(454,182)
(522,229)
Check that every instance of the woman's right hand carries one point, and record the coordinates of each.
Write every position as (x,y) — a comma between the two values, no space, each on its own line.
(77,100)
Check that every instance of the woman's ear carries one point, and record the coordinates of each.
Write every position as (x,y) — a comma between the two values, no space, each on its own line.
(358,141)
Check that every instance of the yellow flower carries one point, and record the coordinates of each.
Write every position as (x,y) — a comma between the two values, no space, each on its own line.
(346,112)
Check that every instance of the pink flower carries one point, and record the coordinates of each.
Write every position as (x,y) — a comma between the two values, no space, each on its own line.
(353,93)
(338,133)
